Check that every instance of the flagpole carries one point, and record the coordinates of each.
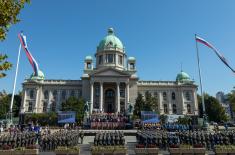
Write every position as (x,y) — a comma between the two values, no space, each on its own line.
(14,86)
(200,78)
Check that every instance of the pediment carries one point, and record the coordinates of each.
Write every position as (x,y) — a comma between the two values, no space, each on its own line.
(110,72)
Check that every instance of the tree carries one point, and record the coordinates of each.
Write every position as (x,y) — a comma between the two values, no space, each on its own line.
(139,106)
(4,65)
(214,110)
(74,104)
(5,105)
(9,10)
(151,103)
(231,98)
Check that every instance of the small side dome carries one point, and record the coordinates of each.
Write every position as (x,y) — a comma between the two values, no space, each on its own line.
(110,42)
(183,77)
(89,58)
(131,59)
(39,77)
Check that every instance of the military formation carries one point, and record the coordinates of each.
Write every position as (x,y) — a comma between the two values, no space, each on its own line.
(18,139)
(66,138)
(109,138)
(164,139)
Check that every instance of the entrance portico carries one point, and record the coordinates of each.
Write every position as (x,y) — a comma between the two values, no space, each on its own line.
(107,96)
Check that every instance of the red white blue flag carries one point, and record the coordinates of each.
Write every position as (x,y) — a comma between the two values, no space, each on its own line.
(31,59)
(222,58)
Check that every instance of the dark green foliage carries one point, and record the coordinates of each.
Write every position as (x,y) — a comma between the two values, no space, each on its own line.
(74,104)
(231,98)
(163,119)
(4,65)
(214,110)
(185,120)
(42,118)
(150,103)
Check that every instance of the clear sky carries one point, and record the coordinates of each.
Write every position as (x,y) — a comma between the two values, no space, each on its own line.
(159,33)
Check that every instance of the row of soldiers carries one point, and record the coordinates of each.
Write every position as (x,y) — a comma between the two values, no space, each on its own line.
(18,139)
(109,138)
(164,139)
(66,138)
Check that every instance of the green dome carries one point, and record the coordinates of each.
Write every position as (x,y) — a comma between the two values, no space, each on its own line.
(183,77)
(39,77)
(131,58)
(110,42)
(88,57)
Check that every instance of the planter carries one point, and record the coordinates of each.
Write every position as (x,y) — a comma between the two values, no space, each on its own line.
(61,152)
(6,152)
(31,152)
(199,151)
(140,151)
(175,151)
(186,151)
(96,150)
(221,151)
(152,151)
(18,152)
(120,151)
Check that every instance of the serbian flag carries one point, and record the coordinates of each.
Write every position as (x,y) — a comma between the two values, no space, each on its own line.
(222,58)
(32,61)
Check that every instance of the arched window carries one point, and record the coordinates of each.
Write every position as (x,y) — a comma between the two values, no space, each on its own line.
(174,109)
(53,106)
(63,95)
(164,95)
(165,109)
(97,91)
(189,108)
(187,96)
(30,107)
(155,94)
(44,107)
(173,95)
(31,94)
(72,94)
(46,94)
(54,94)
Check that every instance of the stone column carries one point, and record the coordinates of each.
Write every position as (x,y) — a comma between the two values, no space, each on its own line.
(101,96)
(127,95)
(118,97)
(24,101)
(36,100)
(49,101)
(91,97)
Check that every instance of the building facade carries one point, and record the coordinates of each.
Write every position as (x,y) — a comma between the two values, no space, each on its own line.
(223,100)
(110,84)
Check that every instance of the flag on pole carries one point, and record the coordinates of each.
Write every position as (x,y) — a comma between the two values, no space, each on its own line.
(222,58)
(31,59)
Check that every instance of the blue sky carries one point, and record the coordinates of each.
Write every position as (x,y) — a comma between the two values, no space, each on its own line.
(159,33)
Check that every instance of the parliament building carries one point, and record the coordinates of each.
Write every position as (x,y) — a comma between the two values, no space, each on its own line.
(110,84)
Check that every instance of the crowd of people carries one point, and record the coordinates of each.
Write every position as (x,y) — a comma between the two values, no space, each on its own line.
(109,138)
(165,139)
(108,121)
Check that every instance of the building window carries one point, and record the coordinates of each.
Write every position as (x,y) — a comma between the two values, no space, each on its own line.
(44,107)
(101,59)
(55,95)
(53,106)
(30,107)
(97,91)
(189,108)
(79,93)
(109,58)
(63,95)
(155,94)
(122,92)
(164,95)
(132,66)
(174,109)
(120,60)
(188,96)
(173,95)
(31,94)
(165,109)
(88,65)
(72,94)
(46,96)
